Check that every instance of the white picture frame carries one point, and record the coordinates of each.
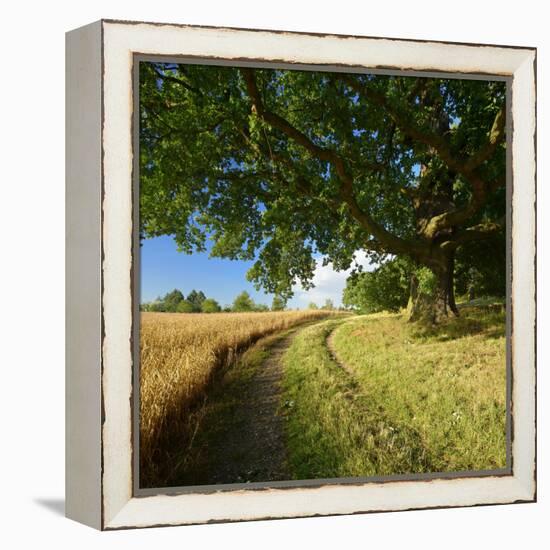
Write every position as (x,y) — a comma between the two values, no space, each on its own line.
(100,253)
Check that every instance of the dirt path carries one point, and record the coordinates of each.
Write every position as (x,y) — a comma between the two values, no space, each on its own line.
(334,355)
(250,446)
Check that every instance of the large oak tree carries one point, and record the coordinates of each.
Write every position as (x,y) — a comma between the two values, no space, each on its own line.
(277,166)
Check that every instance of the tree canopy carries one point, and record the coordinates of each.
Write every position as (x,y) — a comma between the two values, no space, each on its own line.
(172,300)
(243,302)
(185,306)
(196,299)
(175,301)
(209,305)
(385,288)
(278,166)
(278,303)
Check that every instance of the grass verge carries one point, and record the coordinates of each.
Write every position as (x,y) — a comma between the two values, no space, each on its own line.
(418,400)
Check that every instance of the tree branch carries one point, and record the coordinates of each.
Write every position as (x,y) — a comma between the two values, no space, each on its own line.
(496,135)
(482,231)
(432,139)
(441,145)
(392,243)
(292,132)
(461,215)
(171,78)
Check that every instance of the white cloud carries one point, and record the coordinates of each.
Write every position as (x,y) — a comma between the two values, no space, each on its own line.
(329,284)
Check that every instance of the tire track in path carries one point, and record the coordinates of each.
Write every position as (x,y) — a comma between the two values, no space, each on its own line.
(334,354)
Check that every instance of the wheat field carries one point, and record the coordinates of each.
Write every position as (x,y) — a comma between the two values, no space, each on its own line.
(179,354)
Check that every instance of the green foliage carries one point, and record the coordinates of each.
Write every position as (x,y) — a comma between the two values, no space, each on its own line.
(385,288)
(171,300)
(278,303)
(329,304)
(212,167)
(174,301)
(243,302)
(196,299)
(480,269)
(427,282)
(312,305)
(209,305)
(185,306)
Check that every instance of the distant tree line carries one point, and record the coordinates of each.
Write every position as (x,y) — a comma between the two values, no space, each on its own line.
(329,304)
(197,302)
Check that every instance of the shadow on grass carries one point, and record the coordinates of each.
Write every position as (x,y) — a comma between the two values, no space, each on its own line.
(490,323)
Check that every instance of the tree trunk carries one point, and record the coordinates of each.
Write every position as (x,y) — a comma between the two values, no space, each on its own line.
(440,297)
(435,306)
(451,286)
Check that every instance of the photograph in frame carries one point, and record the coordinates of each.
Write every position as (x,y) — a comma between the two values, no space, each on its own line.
(336,187)
(322,277)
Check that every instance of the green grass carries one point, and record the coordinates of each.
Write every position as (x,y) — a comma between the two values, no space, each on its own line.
(418,399)
(483,301)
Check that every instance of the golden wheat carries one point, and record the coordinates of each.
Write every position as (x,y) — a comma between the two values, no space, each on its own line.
(179,353)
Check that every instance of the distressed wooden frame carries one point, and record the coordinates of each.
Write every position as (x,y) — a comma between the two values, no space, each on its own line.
(100,392)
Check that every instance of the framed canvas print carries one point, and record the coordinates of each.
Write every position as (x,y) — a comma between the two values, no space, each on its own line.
(300,274)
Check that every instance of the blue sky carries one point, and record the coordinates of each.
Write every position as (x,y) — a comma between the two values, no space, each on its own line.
(163,268)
